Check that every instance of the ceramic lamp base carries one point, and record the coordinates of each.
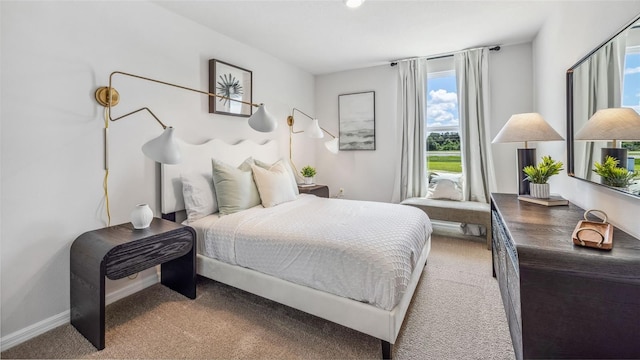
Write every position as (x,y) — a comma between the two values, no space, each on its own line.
(616,153)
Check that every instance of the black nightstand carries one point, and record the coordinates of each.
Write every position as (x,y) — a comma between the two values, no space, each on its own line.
(119,251)
(317,190)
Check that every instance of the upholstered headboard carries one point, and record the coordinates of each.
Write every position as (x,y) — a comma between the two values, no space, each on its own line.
(197,158)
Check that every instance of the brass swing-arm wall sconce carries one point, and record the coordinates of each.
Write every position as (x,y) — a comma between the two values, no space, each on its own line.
(164,148)
(314,131)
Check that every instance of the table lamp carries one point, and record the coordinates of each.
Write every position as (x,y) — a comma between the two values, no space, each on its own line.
(612,125)
(524,128)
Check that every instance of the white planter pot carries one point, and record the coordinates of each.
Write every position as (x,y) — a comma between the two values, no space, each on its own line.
(141,216)
(308,180)
(540,191)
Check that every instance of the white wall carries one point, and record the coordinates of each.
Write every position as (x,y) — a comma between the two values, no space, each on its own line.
(53,57)
(364,175)
(511,77)
(558,46)
(369,175)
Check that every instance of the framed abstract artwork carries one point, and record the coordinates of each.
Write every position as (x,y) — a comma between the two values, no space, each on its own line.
(357,121)
(232,83)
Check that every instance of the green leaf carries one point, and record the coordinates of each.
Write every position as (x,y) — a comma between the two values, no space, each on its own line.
(541,173)
(613,175)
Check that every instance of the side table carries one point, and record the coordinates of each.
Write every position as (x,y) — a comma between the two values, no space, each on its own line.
(317,190)
(119,251)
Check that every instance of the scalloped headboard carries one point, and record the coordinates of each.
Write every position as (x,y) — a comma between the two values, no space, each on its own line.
(197,158)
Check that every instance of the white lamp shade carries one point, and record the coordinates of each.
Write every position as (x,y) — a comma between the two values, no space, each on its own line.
(332,145)
(611,124)
(262,121)
(314,131)
(526,127)
(163,149)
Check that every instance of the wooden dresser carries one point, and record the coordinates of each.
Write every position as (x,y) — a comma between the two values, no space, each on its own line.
(562,300)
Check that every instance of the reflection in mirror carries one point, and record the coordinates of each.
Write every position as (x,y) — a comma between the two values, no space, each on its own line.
(609,77)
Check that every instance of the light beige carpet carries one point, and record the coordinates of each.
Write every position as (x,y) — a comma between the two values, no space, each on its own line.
(456,314)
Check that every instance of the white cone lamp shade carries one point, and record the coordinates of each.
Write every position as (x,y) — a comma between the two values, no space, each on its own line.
(611,124)
(526,127)
(262,121)
(332,146)
(163,149)
(314,131)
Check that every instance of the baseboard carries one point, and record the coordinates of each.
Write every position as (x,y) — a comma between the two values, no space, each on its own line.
(29,332)
(34,330)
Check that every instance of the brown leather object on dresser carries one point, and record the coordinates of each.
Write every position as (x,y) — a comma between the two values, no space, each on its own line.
(563,300)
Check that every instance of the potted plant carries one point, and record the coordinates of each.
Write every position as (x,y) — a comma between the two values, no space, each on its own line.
(613,175)
(540,174)
(308,173)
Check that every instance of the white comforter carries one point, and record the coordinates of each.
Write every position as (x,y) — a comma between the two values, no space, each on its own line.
(361,250)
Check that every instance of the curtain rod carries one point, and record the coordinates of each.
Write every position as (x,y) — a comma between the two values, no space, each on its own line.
(440,56)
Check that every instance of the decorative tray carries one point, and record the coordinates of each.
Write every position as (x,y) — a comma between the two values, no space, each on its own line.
(598,235)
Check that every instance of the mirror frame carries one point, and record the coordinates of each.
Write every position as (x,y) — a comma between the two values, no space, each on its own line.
(570,128)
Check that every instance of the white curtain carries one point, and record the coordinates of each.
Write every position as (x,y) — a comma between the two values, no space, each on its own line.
(411,179)
(597,85)
(472,73)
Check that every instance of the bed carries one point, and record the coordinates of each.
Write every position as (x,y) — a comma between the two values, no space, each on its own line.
(234,249)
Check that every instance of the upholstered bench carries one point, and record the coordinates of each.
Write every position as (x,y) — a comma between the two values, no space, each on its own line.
(469,212)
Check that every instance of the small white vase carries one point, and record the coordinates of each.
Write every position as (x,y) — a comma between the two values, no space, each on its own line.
(540,191)
(141,216)
(308,180)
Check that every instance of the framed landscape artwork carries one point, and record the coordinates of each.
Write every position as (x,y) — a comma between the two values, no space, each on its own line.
(357,121)
(233,83)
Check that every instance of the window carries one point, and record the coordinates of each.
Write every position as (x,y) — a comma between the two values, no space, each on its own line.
(631,99)
(443,125)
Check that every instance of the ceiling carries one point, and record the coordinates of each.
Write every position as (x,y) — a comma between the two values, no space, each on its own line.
(325,36)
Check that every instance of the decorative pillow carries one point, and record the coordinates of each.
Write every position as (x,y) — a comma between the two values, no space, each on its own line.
(234,187)
(287,165)
(199,195)
(445,186)
(274,184)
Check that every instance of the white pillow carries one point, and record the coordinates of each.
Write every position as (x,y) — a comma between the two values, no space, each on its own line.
(287,165)
(445,186)
(274,184)
(234,187)
(199,195)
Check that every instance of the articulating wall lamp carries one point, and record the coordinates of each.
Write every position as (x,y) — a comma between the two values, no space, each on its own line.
(164,149)
(313,131)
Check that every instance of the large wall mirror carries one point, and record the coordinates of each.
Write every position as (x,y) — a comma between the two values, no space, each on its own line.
(608,77)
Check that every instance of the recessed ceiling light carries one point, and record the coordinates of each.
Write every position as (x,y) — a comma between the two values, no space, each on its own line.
(353,3)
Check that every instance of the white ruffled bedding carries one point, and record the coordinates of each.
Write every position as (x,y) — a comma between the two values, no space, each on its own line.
(361,250)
